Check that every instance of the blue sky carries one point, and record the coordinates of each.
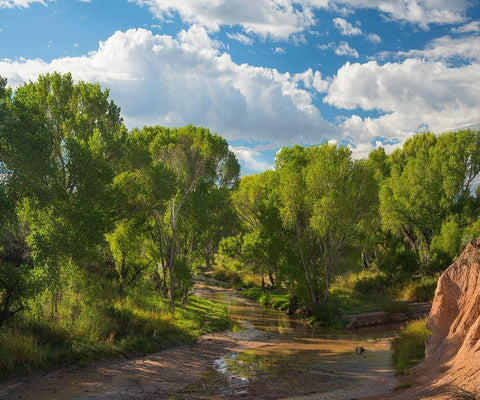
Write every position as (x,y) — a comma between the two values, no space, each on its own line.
(262,73)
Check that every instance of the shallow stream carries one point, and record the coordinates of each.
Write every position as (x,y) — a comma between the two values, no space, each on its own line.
(295,360)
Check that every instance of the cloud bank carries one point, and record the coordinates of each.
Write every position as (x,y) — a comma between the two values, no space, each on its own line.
(279,19)
(173,81)
(413,95)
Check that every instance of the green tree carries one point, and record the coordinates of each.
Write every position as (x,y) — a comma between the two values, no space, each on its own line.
(60,147)
(430,179)
(262,237)
(329,202)
(179,174)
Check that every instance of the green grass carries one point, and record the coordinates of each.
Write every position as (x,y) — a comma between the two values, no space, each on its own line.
(138,325)
(343,301)
(276,298)
(422,290)
(409,348)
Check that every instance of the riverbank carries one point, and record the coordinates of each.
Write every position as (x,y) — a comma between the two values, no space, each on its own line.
(280,366)
(139,324)
(161,375)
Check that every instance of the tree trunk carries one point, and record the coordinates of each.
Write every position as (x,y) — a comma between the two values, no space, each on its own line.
(123,276)
(263,283)
(184,297)
(171,271)
(326,278)
(272,279)
(412,239)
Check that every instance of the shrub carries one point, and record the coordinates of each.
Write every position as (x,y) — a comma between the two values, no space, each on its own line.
(409,348)
(18,353)
(139,324)
(228,276)
(277,298)
(421,291)
(394,306)
(368,286)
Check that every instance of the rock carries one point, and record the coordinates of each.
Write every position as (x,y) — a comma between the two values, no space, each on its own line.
(453,350)
(301,311)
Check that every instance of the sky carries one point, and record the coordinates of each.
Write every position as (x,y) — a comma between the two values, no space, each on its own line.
(264,74)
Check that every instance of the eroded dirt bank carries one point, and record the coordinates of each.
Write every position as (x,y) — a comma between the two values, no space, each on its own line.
(453,351)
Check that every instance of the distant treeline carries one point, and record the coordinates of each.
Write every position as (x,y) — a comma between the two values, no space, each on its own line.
(88,207)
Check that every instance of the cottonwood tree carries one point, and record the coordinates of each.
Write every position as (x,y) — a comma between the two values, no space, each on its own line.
(262,240)
(60,149)
(179,173)
(430,180)
(328,201)
(196,157)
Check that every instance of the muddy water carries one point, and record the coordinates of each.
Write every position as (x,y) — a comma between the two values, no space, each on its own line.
(297,361)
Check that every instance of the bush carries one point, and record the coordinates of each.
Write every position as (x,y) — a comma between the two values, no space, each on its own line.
(421,291)
(393,306)
(277,298)
(371,286)
(409,348)
(19,353)
(228,276)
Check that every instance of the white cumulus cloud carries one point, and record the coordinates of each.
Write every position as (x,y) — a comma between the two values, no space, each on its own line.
(412,95)
(374,38)
(346,28)
(445,47)
(419,12)
(240,37)
(249,157)
(313,80)
(277,19)
(344,49)
(473,26)
(281,19)
(174,81)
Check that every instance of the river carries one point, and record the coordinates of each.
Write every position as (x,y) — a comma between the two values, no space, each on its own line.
(298,360)
(265,355)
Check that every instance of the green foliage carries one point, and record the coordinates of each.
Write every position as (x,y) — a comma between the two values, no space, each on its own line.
(409,348)
(19,353)
(396,260)
(139,325)
(227,275)
(421,290)
(427,197)
(328,204)
(371,286)
(102,229)
(277,298)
